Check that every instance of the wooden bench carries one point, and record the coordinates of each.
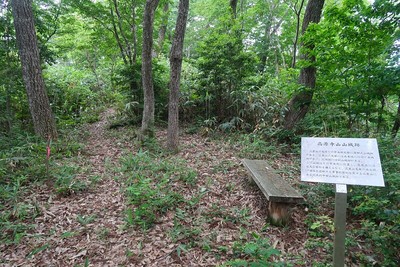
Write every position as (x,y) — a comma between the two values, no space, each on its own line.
(278,192)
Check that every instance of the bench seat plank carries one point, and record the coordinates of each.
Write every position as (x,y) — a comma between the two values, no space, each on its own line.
(271,184)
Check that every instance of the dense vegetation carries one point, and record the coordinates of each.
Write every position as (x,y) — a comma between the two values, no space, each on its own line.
(240,69)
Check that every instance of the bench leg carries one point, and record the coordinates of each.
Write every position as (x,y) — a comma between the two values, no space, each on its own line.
(279,213)
(250,180)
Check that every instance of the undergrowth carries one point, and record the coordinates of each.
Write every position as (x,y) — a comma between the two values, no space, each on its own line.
(378,208)
(154,185)
(22,170)
(374,212)
(255,252)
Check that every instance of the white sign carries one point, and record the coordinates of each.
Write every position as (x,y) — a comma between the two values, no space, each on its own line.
(341,188)
(353,161)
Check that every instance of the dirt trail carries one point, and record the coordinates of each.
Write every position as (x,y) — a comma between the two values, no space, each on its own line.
(90,225)
(83,225)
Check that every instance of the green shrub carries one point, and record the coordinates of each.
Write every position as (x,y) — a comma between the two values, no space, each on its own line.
(152,186)
(379,207)
(258,252)
(66,182)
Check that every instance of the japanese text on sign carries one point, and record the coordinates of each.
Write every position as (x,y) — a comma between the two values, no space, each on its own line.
(341,161)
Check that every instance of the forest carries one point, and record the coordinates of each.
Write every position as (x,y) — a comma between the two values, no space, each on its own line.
(124,125)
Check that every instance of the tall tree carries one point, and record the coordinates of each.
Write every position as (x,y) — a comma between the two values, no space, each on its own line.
(299,103)
(10,69)
(176,66)
(115,23)
(39,105)
(147,129)
(396,125)
(297,12)
(269,24)
(163,29)
(233,4)
(357,63)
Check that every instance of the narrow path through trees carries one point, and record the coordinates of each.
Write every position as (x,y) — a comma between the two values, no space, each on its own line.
(220,211)
(83,225)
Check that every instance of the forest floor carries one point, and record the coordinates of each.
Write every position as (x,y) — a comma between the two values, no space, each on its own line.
(89,228)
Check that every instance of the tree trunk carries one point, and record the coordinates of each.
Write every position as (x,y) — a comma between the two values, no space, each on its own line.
(233,4)
(128,51)
(296,38)
(147,129)
(163,30)
(133,30)
(8,110)
(396,124)
(299,104)
(263,62)
(93,67)
(39,106)
(124,56)
(176,66)
(380,114)
(10,84)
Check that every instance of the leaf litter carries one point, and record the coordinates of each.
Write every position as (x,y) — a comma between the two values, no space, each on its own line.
(89,226)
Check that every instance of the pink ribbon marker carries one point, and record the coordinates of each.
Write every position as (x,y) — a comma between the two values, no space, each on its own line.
(48,152)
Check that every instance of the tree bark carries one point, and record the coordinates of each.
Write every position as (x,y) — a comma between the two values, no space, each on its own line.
(176,66)
(134,31)
(296,38)
(8,110)
(39,105)
(396,124)
(147,129)
(121,30)
(298,106)
(117,38)
(10,83)
(163,30)
(233,4)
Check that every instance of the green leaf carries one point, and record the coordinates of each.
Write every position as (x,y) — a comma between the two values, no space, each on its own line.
(250,248)
(37,250)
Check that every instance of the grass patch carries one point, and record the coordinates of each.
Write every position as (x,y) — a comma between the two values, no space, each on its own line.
(255,252)
(22,170)
(66,182)
(154,184)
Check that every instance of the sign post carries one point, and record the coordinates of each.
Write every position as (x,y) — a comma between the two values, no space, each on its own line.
(340,225)
(341,161)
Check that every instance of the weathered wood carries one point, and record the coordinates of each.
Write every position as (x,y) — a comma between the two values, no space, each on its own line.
(340,227)
(271,184)
(279,213)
